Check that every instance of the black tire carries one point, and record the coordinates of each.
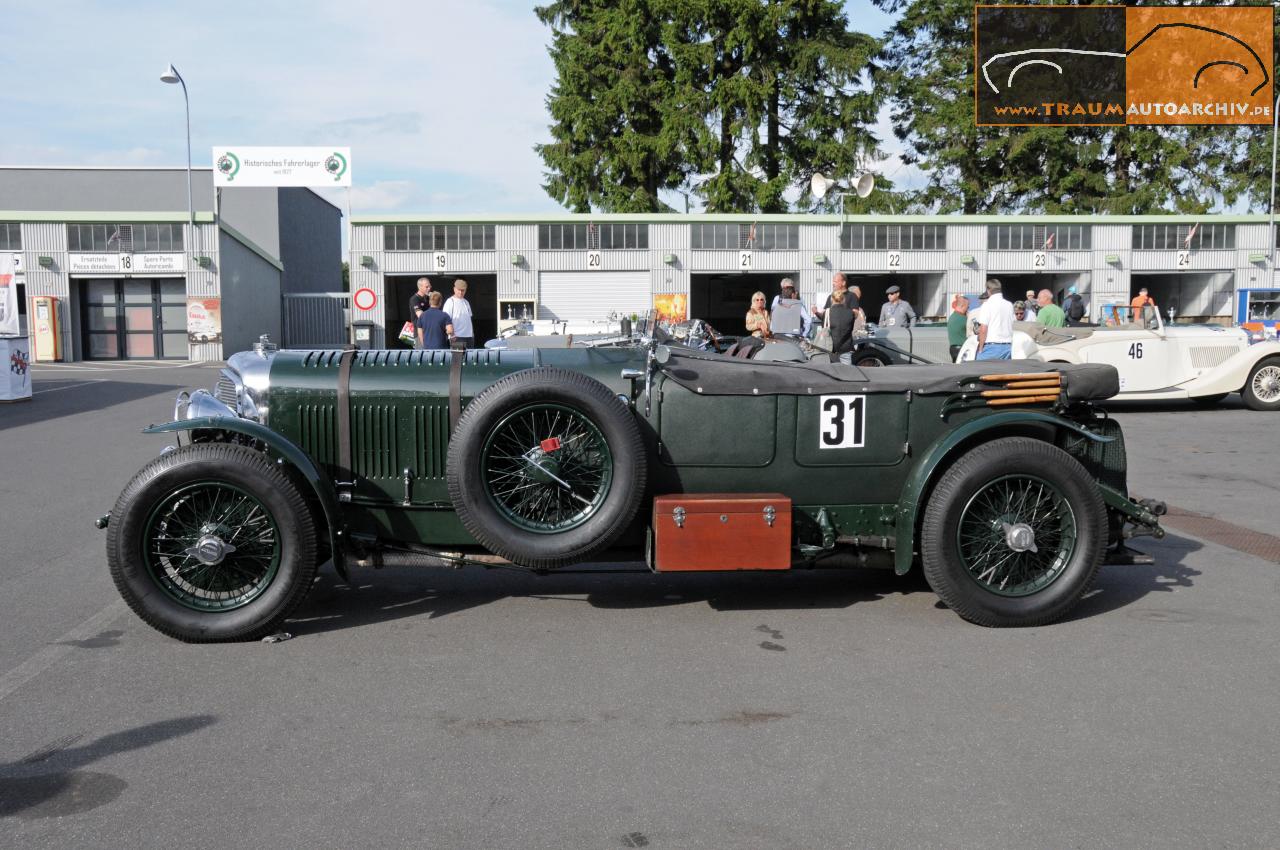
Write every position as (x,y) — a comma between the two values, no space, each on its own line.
(869,361)
(1209,400)
(197,602)
(960,526)
(1262,390)
(497,490)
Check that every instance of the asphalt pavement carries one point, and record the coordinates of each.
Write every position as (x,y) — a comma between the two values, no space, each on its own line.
(472,709)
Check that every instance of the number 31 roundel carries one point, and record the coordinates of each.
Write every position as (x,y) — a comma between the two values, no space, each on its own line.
(842,421)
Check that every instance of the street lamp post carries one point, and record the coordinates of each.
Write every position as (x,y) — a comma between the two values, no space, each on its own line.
(1271,229)
(171,75)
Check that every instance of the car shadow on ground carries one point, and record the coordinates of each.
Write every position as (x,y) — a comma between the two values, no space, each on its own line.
(61,397)
(1121,586)
(395,593)
(49,782)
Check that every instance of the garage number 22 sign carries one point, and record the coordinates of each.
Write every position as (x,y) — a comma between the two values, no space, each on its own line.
(842,421)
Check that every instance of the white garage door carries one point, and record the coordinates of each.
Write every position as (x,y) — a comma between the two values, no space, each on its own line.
(592,296)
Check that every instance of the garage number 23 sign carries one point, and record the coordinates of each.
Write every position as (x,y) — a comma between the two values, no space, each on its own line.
(842,421)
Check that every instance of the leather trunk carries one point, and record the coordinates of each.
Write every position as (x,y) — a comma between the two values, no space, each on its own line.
(722,531)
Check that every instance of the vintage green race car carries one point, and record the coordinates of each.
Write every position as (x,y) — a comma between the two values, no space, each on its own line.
(1009,489)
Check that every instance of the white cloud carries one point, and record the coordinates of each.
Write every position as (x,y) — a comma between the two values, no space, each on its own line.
(382,195)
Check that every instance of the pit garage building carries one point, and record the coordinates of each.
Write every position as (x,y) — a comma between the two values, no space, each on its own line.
(590,267)
(115,249)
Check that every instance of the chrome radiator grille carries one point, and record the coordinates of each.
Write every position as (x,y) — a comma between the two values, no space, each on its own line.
(225,391)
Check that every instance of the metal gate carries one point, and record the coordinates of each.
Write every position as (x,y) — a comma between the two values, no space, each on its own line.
(316,319)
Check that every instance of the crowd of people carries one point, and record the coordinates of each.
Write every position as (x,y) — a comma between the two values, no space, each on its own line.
(441,322)
(842,317)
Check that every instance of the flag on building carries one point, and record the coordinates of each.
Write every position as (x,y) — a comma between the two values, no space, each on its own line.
(1048,243)
(1186,245)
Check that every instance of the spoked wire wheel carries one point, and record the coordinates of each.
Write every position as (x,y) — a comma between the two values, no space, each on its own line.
(212,546)
(546,468)
(1013,533)
(1262,392)
(1016,535)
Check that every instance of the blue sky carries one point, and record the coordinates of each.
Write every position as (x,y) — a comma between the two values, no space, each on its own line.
(441,102)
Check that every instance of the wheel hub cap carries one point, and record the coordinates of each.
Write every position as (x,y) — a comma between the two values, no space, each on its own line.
(210,549)
(1020,537)
(541,466)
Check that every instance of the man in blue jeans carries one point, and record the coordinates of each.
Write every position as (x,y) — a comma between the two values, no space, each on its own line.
(995,325)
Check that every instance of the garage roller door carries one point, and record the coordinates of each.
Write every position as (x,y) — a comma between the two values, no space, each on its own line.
(592,296)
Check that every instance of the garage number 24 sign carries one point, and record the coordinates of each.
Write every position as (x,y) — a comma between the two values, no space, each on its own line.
(842,421)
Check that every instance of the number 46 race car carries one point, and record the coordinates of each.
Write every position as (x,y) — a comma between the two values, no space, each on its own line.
(1007,489)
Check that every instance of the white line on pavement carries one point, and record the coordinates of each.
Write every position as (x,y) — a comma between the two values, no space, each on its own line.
(70,386)
(52,653)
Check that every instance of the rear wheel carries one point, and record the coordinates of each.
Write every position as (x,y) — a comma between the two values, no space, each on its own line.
(1014,533)
(212,542)
(1262,389)
(868,361)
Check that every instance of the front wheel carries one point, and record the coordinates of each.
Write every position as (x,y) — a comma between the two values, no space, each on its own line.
(212,542)
(1262,389)
(1013,534)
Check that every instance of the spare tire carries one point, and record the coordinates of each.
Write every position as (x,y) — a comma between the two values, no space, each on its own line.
(546,467)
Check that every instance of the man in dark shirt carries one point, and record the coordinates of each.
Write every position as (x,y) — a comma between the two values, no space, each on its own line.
(434,327)
(418,301)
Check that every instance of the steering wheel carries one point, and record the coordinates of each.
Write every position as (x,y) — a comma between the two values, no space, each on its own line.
(711,335)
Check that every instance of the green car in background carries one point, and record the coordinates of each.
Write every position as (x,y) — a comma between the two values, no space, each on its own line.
(1007,489)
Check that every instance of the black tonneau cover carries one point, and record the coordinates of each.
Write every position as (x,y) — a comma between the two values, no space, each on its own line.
(712,374)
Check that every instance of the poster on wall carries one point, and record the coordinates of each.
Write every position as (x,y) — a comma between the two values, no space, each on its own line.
(204,320)
(9,322)
(671,306)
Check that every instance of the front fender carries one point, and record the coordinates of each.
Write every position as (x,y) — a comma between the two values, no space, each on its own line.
(1230,375)
(300,460)
(920,478)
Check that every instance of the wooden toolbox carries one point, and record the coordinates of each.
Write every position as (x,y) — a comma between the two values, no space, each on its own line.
(722,531)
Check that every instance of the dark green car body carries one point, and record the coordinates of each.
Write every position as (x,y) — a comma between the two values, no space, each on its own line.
(857,452)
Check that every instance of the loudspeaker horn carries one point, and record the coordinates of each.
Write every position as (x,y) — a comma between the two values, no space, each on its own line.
(819,185)
(865,184)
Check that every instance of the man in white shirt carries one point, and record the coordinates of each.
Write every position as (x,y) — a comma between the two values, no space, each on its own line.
(995,325)
(459,310)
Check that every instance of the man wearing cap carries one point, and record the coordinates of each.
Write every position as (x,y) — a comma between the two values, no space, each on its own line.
(995,325)
(787,314)
(896,312)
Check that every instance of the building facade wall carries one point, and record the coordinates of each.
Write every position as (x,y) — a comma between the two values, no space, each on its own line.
(1104,271)
(310,242)
(250,296)
(255,225)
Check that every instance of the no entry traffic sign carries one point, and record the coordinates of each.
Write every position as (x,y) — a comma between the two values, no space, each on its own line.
(365,298)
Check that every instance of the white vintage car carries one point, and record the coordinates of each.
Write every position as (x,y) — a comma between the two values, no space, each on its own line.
(1203,363)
